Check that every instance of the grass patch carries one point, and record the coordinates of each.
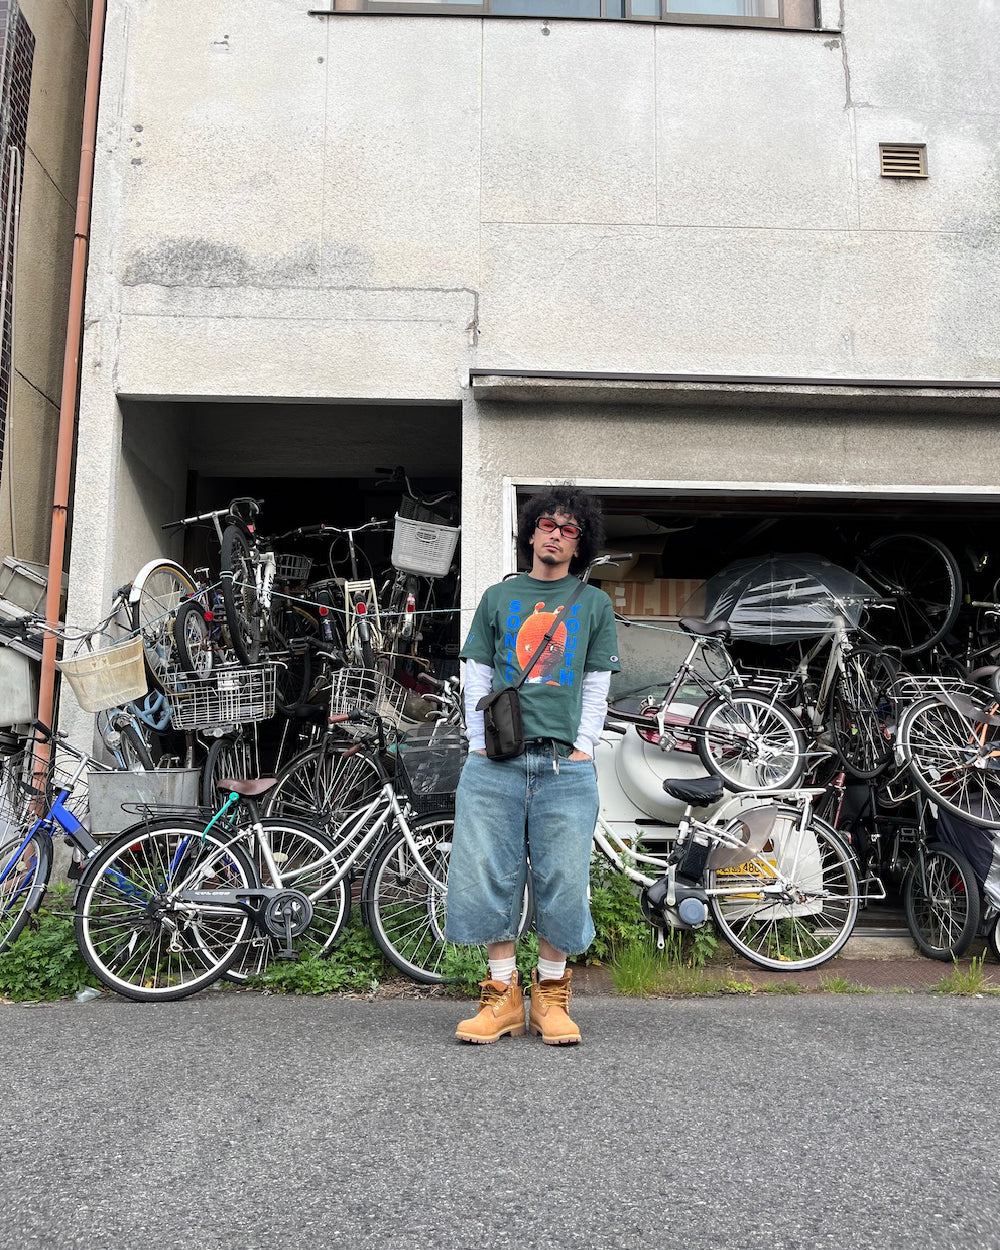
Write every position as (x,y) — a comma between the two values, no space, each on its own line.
(45,964)
(640,969)
(354,965)
(841,985)
(971,980)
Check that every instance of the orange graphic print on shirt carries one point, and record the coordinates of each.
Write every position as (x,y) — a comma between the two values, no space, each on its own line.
(529,638)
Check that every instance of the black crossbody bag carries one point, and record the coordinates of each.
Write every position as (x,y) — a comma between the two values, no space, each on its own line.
(501,709)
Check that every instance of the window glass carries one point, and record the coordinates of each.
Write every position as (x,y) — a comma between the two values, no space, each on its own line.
(546,8)
(726,8)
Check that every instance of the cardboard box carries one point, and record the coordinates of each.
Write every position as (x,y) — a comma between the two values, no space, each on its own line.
(664,596)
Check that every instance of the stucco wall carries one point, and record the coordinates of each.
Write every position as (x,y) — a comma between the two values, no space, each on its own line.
(44,251)
(364,207)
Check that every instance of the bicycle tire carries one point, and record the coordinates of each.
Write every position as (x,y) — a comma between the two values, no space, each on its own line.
(923,579)
(750,741)
(862,711)
(239,594)
(290,625)
(813,921)
(942,904)
(305,861)
(404,911)
(951,762)
(323,785)
(229,757)
(192,638)
(25,865)
(123,917)
(164,589)
(134,750)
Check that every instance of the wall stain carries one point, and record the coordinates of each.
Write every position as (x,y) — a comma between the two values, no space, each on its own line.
(204,262)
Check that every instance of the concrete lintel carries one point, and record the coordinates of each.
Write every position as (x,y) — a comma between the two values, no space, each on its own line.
(982,397)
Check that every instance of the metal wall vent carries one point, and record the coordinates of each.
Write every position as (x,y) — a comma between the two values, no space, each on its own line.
(902,160)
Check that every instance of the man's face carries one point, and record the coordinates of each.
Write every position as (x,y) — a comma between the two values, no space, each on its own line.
(551,547)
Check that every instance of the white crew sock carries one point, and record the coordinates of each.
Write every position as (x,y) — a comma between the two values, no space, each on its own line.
(502,969)
(551,970)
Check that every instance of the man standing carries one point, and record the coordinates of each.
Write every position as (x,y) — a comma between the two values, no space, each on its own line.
(535,812)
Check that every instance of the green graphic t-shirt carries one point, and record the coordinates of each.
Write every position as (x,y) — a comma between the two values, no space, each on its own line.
(510,623)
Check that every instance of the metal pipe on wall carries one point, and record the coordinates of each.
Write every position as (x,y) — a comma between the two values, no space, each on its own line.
(71,376)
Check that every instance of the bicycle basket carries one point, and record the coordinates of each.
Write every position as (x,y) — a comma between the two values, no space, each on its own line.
(292,568)
(226,695)
(369,689)
(421,548)
(107,678)
(429,763)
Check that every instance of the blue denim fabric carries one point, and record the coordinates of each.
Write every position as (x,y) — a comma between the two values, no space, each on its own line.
(505,812)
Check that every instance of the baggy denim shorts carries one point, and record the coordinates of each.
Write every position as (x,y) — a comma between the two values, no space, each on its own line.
(516,816)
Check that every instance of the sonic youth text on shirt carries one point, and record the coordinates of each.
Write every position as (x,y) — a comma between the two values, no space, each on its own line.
(525,630)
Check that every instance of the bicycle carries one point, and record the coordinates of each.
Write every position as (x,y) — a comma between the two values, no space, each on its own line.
(172,904)
(424,541)
(26,858)
(920,578)
(742,730)
(780,884)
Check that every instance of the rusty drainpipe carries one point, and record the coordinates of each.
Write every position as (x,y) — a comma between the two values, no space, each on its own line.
(70,381)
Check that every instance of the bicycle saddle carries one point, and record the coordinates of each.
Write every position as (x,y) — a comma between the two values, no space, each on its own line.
(698,791)
(250,789)
(705,629)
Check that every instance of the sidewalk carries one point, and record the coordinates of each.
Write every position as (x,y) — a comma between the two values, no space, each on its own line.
(889,963)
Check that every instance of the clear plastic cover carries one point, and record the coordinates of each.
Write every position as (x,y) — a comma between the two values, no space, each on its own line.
(786,598)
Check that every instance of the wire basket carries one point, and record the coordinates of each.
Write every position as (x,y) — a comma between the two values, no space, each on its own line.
(107,678)
(421,548)
(227,695)
(429,762)
(292,568)
(366,688)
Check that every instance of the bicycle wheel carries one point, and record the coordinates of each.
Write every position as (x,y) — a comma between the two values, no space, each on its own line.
(922,579)
(815,913)
(239,594)
(862,711)
(192,638)
(751,742)
(941,901)
(228,758)
(323,785)
(954,758)
(292,631)
(133,934)
(25,864)
(163,591)
(304,860)
(134,750)
(404,911)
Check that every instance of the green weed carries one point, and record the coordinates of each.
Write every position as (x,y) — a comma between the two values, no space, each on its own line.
(45,963)
(841,985)
(971,980)
(354,965)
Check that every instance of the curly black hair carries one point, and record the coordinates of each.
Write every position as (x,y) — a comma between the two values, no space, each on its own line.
(583,508)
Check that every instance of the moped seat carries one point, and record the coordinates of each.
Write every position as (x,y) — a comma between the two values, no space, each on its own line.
(698,791)
(705,629)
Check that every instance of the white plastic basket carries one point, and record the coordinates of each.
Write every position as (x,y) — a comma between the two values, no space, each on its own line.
(227,695)
(370,690)
(421,548)
(107,678)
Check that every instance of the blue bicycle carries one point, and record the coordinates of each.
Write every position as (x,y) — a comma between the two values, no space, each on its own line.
(26,858)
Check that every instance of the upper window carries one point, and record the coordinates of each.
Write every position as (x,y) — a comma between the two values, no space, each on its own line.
(799,14)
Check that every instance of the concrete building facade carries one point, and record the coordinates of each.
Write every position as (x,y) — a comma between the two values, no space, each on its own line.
(661,258)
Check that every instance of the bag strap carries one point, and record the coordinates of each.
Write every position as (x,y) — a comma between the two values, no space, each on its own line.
(559,612)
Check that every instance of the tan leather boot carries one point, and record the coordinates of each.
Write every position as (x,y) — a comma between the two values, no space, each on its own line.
(548,1014)
(501,1010)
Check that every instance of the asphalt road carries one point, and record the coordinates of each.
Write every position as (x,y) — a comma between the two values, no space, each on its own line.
(240,1120)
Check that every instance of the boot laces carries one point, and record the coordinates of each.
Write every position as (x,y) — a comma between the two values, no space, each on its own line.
(490,994)
(555,995)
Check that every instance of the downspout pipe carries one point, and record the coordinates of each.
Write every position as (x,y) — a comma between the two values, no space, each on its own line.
(70,377)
